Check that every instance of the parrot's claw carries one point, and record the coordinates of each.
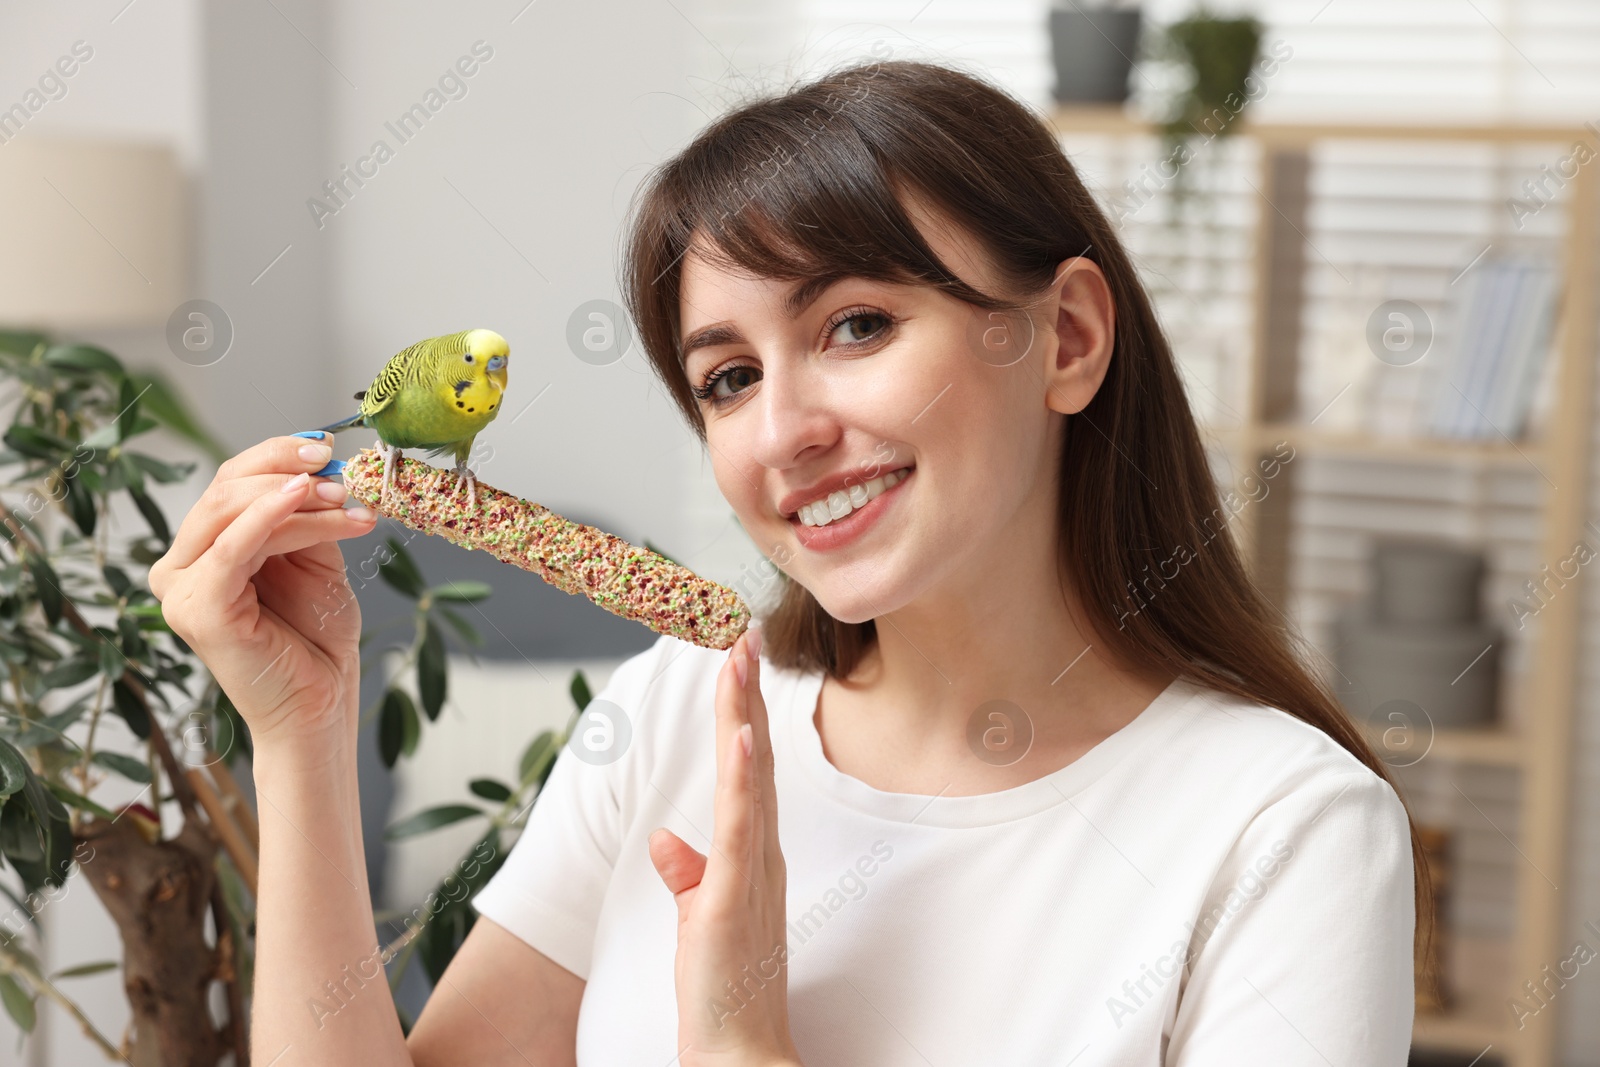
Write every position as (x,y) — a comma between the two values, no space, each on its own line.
(464,476)
(391,467)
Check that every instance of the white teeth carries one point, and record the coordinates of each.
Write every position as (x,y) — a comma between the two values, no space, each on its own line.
(842,502)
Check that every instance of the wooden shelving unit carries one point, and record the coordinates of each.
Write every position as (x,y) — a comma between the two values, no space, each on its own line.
(1481,1023)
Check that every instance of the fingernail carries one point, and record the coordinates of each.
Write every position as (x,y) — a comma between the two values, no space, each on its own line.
(332,492)
(362,514)
(754,642)
(741,666)
(297,482)
(318,454)
(747,739)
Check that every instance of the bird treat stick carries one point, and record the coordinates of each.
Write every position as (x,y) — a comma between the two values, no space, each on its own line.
(626,580)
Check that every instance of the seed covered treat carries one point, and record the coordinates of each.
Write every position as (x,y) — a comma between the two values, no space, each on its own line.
(626,580)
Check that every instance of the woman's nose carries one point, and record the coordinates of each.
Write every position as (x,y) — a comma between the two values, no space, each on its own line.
(795,417)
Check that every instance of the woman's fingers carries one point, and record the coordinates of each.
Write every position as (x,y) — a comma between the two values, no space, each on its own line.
(225,500)
(197,597)
(223,503)
(678,863)
(737,833)
(734,808)
(240,481)
(237,552)
(306,528)
(762,729)
(287,455)
(329,492)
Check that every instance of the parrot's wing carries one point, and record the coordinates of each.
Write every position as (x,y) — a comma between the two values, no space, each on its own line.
(396,374)
(410,366)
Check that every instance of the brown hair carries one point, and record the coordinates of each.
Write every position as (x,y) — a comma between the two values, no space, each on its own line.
(806,185)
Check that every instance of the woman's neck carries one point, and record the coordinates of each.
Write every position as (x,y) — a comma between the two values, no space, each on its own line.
(904,719)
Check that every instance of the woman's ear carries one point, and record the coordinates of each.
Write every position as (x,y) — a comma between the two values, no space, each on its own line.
(1085,328)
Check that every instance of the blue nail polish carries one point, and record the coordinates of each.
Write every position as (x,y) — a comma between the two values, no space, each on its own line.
(315,435)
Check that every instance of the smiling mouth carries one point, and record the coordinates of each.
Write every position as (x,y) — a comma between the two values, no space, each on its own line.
(842,502)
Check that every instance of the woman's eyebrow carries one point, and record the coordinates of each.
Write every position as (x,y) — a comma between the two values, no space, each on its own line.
(797,300)
(708,336)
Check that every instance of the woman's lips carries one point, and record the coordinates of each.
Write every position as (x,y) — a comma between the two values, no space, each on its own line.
(841,532)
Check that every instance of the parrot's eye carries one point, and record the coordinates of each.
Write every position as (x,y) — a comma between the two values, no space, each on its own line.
(468,357)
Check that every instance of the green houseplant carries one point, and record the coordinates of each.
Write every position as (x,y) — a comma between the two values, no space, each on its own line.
(1216,56)
(1212,64)
(84,648)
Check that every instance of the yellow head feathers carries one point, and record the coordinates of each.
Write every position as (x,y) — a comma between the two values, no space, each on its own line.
(487,343)
(489,351)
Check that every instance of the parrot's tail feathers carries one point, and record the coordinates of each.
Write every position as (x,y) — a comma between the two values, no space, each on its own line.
(345,424)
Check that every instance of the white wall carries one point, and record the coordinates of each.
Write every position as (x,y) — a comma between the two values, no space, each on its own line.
(143,80)
(505,211)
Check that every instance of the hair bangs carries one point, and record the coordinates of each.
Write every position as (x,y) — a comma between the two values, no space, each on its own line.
(802,189)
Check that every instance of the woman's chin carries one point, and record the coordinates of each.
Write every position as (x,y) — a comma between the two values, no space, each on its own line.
(850,605)
(855,615)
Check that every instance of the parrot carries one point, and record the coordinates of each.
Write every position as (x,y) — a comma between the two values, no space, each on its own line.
(436,395)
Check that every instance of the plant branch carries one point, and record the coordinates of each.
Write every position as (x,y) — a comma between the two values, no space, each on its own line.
(421,624)
(228,831)
(88,743)
(228,971)
(11,963)
(500,820)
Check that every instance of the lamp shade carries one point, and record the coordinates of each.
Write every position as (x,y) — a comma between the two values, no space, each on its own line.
(94,234)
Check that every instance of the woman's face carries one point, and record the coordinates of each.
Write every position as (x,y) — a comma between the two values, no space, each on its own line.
(864,380)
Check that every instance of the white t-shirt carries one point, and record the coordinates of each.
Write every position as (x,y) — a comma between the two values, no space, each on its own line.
(1215,884)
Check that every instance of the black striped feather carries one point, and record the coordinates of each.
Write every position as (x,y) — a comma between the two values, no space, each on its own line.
(409,366)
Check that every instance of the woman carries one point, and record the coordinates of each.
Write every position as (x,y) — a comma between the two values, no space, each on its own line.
(1054,785)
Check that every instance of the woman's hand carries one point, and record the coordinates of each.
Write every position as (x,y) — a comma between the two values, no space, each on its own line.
(256,585)
(732,965)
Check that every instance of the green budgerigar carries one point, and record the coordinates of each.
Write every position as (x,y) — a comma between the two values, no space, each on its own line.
(435,395)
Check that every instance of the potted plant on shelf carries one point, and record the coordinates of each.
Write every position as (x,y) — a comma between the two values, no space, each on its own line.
(1212,58)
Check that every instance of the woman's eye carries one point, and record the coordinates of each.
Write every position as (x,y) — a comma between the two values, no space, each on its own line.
(741,377)
(860,327)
